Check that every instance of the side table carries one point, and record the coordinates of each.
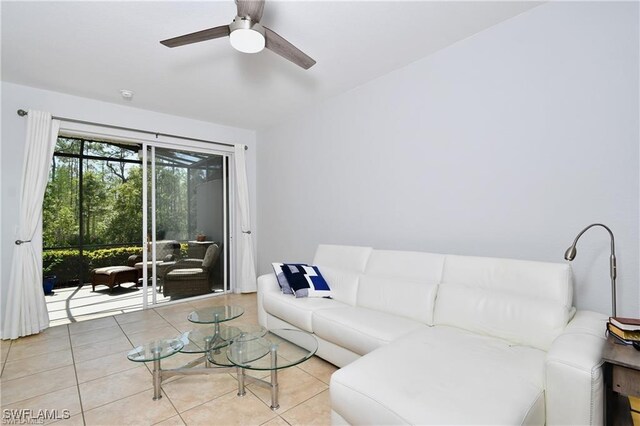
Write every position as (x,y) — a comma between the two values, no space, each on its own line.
(621,380)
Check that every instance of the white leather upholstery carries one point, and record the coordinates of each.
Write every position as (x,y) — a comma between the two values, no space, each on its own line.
(408,265)
(267,283)
(337,355)
(396,296)
(509,316)
(348,258)
(484,360)
(575,388)
(542,280)
(442,375)
(361,330)
(337,419)
(401,283)
(297,311)
(343,284)
(522,301)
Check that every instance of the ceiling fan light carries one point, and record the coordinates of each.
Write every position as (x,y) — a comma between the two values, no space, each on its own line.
(247,40)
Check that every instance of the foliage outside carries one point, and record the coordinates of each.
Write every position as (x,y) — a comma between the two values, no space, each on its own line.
(66,264)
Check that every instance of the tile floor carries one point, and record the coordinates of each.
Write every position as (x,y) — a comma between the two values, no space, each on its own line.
(82,367)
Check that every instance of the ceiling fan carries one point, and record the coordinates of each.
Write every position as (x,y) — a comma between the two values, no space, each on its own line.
(247,35)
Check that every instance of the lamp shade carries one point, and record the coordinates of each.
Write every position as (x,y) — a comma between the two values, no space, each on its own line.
(570,254)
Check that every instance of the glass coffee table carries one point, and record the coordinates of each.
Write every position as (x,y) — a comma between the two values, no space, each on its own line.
(273,351)
(225,349)
(215,315)
(202,340)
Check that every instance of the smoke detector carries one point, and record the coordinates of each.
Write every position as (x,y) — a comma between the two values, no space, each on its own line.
(127,95)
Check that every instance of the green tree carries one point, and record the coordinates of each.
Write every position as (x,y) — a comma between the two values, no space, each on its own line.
(60,207)
(95,203)
(125,223)
(172,209)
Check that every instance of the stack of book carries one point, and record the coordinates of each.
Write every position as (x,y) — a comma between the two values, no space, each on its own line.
(634,402)
(626,330)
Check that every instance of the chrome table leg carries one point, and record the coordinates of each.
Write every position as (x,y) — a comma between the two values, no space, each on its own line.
(240,373)
(157,380)
(274,378)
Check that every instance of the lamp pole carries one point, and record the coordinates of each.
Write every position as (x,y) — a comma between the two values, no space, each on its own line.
(570,254)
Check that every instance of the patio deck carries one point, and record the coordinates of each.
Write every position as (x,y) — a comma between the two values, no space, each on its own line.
(75,304)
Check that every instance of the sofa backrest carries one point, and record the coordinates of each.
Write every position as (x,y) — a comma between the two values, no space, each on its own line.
(342,266)
(521,301)
(403,283)
(348,258)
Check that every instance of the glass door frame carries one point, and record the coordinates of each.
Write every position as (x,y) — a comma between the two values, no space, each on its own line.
(228,183)
(92,131)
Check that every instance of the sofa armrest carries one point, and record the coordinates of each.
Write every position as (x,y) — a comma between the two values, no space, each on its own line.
(574,390)
(267,283)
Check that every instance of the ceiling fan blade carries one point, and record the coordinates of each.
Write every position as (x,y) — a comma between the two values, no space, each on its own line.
(197,37)
(251,8)
(282,47)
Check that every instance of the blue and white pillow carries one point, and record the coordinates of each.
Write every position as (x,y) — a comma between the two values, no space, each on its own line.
(306,281)
(282,280)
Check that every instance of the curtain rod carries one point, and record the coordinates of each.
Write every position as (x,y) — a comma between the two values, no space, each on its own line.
(23,113)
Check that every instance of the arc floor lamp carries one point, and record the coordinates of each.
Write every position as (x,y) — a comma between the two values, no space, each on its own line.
(570,254)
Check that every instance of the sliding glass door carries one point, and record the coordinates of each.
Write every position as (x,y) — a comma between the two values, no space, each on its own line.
(186,224)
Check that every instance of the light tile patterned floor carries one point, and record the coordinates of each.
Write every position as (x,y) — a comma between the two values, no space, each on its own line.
(82,367)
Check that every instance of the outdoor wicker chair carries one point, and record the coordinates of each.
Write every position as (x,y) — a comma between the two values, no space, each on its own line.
(191,277)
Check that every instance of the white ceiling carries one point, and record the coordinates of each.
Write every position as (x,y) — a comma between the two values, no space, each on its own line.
(94,49)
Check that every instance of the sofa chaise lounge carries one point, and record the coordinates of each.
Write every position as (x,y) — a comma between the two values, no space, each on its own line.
(427,338)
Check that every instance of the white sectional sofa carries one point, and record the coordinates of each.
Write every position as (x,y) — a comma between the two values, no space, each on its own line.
(442,339)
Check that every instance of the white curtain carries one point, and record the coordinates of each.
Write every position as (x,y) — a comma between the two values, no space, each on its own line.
(25,308)
(246,282)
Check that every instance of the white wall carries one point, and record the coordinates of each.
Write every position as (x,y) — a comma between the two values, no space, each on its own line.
(13,132)
(504,144)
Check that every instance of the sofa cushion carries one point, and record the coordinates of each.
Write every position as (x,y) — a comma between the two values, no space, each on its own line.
(348,258)
(306,281)
(523,320)
(542,280)
(442,375)
(505,297)
(343,283)
(297,311)
(360,330)
(402,283)
(395,296)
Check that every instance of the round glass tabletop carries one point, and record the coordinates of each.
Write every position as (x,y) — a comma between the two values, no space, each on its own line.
(275,350)
(195,341)
(215,314)
(155,350)
(246,332)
